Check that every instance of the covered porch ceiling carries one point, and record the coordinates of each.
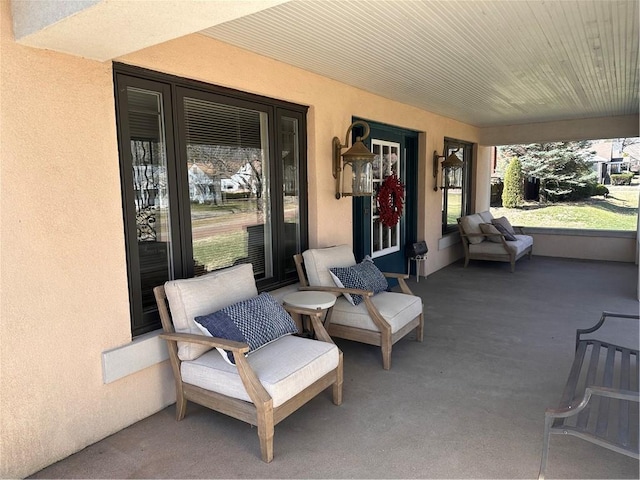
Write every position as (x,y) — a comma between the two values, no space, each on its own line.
(487,63)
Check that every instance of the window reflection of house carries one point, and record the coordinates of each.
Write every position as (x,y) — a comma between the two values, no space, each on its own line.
(206,186)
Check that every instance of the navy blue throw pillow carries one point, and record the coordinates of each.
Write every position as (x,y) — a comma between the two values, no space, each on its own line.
(256,322)
(363,276)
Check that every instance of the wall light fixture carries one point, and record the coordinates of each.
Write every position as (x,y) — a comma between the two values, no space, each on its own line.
(449,165)
(359,158)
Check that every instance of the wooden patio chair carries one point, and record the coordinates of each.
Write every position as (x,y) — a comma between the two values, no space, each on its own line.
(382,319)
(262,388)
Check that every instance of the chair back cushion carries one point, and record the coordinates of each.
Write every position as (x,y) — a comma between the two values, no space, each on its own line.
(318,261)
(486,216)
(471,225)
(193,297)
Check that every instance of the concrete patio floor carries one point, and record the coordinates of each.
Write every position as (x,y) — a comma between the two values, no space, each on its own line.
(468,402)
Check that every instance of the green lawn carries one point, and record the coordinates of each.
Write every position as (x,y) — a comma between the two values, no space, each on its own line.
(619,211)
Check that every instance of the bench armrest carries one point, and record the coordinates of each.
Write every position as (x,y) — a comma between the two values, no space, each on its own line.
(605,315)
(614,393)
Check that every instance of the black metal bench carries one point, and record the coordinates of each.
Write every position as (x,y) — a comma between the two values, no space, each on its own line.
(600,399)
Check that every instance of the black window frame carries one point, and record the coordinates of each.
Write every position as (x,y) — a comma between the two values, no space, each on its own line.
(173,89)
(467,183)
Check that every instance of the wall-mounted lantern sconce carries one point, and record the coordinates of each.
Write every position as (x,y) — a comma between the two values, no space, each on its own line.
(450,165)
(359,158)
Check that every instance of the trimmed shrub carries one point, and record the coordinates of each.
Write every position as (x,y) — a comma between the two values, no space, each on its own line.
(599,189)
(621,178)
(512,196)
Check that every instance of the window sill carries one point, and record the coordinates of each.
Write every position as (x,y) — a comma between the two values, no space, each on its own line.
(143,352)
(448,240)
(578,232)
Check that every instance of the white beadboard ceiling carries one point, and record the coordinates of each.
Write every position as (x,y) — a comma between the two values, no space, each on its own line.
(485,63)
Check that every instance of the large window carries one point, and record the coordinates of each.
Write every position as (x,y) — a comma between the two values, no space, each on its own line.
(210,178)
(456,185)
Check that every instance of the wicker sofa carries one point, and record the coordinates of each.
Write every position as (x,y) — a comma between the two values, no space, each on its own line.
(494,239)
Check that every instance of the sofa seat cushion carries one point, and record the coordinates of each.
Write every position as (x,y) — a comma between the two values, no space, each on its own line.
(191,297)
(397,308)
(318,261)
(471,225)
(518,246)
(284,367)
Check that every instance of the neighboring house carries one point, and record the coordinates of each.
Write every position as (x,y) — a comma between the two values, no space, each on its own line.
(206,186)
(610,159)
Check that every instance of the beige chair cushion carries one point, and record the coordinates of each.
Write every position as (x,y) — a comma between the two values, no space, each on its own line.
(193,297)
(397,308)
(284,367)
(318,261)
(518,246)
(489,229)
(471,224)
(486,216)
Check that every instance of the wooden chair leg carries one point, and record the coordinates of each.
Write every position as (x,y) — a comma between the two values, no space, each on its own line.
(337,386)
(265,430)
(420,328)
(386,350)
(181,405)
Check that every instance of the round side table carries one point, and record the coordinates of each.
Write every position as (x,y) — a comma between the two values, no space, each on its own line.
(313,300)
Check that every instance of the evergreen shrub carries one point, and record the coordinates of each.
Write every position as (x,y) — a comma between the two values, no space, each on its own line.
(512,196)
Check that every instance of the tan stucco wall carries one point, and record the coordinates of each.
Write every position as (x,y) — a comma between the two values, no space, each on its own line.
(64,297)
(605,246)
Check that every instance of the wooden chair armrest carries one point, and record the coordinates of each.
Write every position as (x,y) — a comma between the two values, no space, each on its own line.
(480,234)
(235,347)
(395,275)
(316,320)
(255,390)
(319,330)
(338,290)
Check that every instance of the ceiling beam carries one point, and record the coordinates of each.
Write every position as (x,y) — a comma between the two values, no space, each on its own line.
(106,29)
(565,130)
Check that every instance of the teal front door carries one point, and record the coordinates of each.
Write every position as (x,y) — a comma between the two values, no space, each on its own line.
(396,151)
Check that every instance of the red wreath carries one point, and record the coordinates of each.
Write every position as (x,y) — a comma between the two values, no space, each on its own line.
(390,201)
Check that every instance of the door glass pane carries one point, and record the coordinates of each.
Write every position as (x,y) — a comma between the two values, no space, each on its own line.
(227,162)
(384,240)
(291,189)
(149,168)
